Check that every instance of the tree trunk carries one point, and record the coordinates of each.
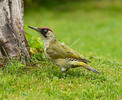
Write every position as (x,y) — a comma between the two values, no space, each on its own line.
(12,35)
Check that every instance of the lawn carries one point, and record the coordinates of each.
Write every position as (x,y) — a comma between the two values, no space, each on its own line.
(91,28)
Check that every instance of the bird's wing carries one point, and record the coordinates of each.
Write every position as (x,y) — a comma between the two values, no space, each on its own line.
(60,50)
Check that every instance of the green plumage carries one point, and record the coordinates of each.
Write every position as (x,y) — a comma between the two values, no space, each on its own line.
(57,50)
(65,57)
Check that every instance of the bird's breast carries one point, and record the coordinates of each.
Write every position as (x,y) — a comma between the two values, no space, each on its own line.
(46,45)
(45,51)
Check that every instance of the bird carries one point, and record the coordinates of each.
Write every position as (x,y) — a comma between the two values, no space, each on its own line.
(61,54)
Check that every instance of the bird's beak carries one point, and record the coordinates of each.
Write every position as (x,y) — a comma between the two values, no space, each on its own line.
(34,28)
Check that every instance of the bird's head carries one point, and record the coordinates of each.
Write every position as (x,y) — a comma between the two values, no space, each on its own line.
(45,32)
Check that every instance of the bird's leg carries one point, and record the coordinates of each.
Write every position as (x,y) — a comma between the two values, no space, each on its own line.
(63,69)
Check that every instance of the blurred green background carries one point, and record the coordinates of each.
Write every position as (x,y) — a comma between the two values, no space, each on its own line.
(91,27)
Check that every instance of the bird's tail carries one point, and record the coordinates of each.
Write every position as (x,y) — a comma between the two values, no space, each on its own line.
(84,65)
(90,68)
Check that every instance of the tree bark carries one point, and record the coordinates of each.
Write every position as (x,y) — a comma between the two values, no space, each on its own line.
(12,35)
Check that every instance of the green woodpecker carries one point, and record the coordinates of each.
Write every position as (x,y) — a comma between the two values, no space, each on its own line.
(59,53)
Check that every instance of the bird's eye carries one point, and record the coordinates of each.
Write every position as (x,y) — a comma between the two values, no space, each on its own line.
(45,30)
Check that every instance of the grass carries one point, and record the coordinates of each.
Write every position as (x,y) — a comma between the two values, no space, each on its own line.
(94,30)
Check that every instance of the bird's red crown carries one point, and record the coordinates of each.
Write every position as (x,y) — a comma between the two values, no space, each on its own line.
(46,28)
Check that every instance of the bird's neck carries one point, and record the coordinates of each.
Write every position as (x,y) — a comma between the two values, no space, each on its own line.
(48,41)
